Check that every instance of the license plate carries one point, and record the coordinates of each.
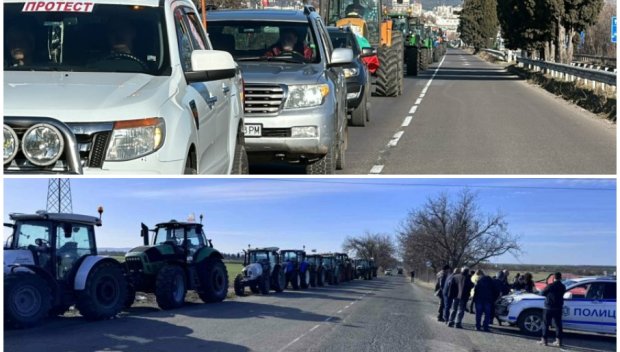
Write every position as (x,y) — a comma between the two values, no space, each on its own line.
(253,130)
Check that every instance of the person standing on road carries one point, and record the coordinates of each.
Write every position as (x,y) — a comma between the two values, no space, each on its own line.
(439,284)
(554,302)
(485,294)
(412,275)
(460,296)
(449,291)
(474,279)
(502,289)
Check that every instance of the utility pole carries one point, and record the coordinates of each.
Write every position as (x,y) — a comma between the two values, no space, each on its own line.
(59,196)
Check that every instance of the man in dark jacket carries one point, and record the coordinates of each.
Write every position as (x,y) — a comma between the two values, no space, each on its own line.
(447,294)
(485,295)
(439,284)
(502,289)
(460,296)
(554,302)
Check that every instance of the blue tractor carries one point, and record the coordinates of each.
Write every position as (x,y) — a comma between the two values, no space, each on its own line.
(296,268)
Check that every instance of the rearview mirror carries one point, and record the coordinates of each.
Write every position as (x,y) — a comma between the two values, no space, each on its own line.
(211,65)
(342,56)
(368,52)
(568,295)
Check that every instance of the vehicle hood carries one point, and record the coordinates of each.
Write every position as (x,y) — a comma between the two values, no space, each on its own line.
(521,296)
(253,271)
(84,96)
(278,72)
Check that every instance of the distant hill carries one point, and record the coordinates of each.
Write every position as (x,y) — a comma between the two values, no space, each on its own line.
(428,5)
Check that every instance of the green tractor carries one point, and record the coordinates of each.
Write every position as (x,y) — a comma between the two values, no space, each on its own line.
(363,269)
(180,258)
(418,42)
(317,273)
(346,267)
(332,269)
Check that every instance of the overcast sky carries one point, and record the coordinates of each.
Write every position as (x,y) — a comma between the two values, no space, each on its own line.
(560,221)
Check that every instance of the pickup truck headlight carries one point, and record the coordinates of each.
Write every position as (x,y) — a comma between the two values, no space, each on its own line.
(135,138)
(306,95)
(43,144)
(11,144)
(350,72)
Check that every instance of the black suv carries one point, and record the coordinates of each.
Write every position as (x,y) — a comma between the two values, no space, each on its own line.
(356,74)
(295,89)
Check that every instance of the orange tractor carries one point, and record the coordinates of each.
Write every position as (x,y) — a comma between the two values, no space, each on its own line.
(369,20)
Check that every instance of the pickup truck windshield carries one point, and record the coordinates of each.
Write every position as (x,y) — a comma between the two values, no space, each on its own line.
(265,41)
(109,38)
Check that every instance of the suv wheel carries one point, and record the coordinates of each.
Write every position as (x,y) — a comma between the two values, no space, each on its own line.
(324,166)
(342,150)
(531,322)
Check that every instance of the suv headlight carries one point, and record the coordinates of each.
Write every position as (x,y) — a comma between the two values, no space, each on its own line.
(42,144)
(306,95)
(135,138)
(350,72)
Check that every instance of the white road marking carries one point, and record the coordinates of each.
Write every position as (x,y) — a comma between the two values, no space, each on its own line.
(418,101)
(407,121)
(413,109)
(422,95)
(315,327)
(394,141)
(376,169)
(340,311)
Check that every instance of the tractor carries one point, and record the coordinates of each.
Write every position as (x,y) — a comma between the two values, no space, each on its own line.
(298,271)
(263,270)
(346,267)
(362,269)
(317,273)
(332,269)
(373,267)
(369,21)
(51,263)
(180,258)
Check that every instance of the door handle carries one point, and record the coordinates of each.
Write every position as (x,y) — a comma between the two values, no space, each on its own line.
(211,101)
(225,88)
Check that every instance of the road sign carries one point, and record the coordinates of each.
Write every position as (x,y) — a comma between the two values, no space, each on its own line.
(429,264)
(614,29)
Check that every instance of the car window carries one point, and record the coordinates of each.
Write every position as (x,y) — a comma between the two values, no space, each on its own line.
(184,40)
(110,38)
(596,291)
(327,43)
(199,40)
(269,41)
(579,291)
(344,40)
(609,291)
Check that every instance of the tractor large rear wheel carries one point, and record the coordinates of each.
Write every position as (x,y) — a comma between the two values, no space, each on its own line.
(387,79)
(305,279)
(320,278)
(279,279)
(398,42)
(264,285)
(213,280)
(27,300)
(170,287)
(105,292)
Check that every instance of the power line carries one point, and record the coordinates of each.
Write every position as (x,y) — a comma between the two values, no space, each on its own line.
(416,184)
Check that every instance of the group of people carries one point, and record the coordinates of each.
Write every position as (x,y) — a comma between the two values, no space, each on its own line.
(455,289)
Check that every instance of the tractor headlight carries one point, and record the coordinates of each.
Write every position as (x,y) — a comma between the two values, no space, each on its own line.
(306,95)
(42,144)
(11,144)
(135,138)
(350,72)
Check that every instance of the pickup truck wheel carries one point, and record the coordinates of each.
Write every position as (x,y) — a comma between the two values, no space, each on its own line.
(531,322)
(240,162)
(359,116)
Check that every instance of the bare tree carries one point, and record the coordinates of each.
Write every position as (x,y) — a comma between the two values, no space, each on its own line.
(454,232)
(379,247)
(597,39)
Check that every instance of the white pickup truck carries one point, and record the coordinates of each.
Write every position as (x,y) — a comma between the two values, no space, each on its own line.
(118,87)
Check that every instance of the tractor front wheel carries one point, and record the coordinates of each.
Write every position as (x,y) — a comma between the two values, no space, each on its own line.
(27,300)
(239,288)
(170,288)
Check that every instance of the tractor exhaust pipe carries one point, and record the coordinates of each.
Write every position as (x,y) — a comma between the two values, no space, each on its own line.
(144,233)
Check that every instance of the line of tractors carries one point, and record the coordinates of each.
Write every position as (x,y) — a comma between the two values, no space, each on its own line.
(51,263)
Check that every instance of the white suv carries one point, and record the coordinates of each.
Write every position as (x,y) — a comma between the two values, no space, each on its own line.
(117,86)
(589,305)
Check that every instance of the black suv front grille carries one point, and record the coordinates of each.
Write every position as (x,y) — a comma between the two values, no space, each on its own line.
(276,132)
(263,100)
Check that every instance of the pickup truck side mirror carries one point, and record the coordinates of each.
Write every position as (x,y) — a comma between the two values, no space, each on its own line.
(342,56)
(368,52)
(568,295)
(211,65)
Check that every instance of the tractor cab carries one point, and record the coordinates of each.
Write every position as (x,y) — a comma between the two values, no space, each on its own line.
(267,257)
(184,238)
(53,242)
(364,16)
(315,259)
(292,255)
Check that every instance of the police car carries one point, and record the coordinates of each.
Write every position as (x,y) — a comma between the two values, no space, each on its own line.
(589,306)
(118,86)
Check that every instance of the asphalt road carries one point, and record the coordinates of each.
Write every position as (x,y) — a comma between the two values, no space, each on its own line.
(386,314)
(475,118)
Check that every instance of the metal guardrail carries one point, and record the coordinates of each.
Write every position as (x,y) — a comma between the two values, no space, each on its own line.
(496,53)
(604,60)
(571,73)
